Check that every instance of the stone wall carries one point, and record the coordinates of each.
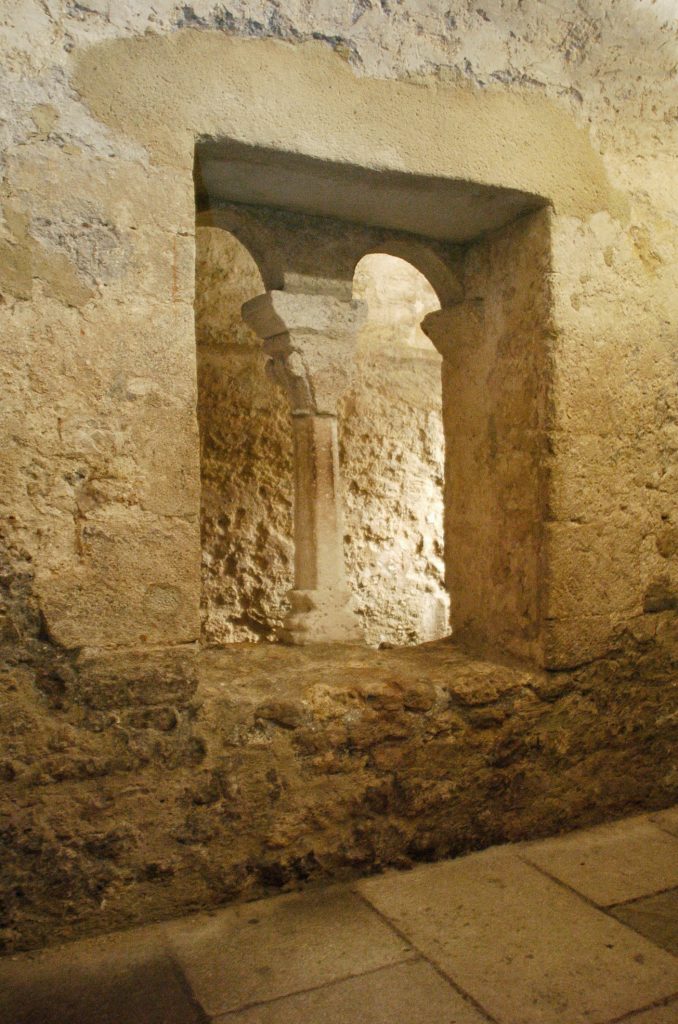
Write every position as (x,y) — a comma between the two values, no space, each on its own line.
(613,467)
(392,460)
(98,209)
(138,781)
(496,381)
(168,784)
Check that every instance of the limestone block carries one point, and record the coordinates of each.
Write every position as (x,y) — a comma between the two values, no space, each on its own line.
(321,616)
(495,376)
(593,570)
(414,991)
(606,477)
(135,580)
(612,316)
(247,495)
(106,227)
(503,931)
(494,586)
(280,312)
(226,276)
(571,641)
(611,864)
(346,937)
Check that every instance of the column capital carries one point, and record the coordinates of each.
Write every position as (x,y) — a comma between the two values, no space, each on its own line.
(279,312)
(311,341)
(454,325)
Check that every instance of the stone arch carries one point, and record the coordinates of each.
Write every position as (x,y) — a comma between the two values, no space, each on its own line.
(437,267)
(392,456)
(254,236)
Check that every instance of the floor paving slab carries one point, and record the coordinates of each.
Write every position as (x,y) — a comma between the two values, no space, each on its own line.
(259,951)
(658,1015)
(409,993)
(526,949)
(656,918)
(123,979)
(668,820)
(613,863)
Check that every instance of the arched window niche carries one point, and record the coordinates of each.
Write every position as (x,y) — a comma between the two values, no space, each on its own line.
(392,458)
(340,414)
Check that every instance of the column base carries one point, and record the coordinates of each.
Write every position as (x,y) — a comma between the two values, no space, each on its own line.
(321,617)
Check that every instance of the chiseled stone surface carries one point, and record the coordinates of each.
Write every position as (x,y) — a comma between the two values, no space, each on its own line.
(526,949)
(391,452)
(613,863)
(101,480)
(495,387)
(245,454)
(130,791)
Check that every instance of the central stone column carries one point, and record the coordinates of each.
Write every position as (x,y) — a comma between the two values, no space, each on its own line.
(311,341)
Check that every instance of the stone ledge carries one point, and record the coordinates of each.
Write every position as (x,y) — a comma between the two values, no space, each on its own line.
(284,766)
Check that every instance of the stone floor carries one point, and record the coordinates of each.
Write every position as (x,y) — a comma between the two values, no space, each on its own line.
(573,930)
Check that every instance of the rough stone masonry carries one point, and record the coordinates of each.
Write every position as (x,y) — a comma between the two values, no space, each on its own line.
(522,158)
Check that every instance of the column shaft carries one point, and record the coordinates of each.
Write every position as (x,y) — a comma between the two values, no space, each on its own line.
(311,340)
(318,520)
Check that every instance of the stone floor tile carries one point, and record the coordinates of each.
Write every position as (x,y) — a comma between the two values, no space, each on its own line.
(409,993)
(259,951)
(612,863)
(526,949)
(122,979)
(668,820)
(655,917)
(658,1015)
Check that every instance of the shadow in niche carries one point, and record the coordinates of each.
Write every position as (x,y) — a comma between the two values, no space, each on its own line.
(436,207)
